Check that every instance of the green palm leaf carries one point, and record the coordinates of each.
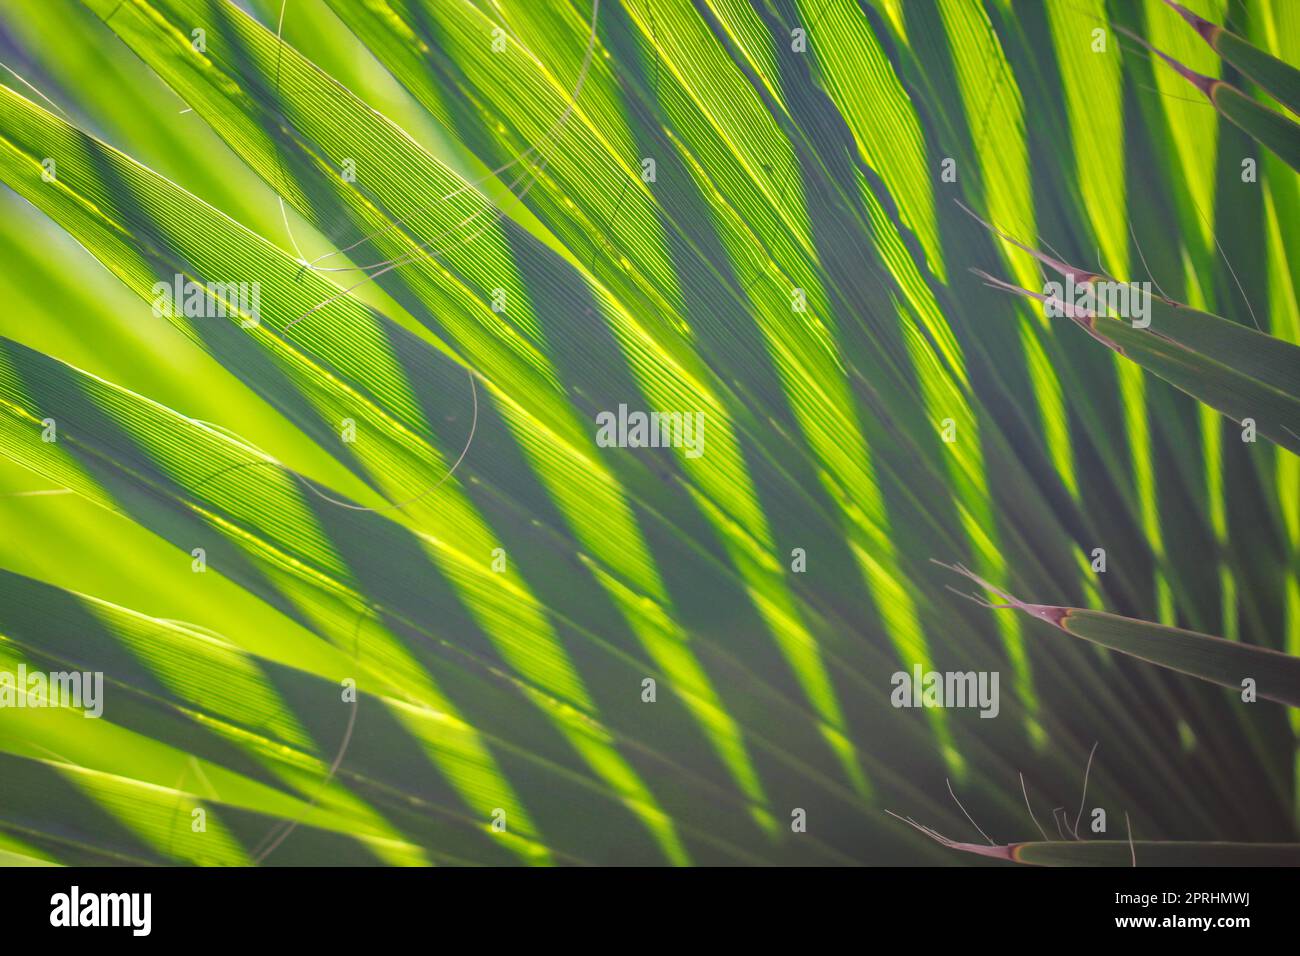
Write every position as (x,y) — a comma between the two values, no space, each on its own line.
(365,583)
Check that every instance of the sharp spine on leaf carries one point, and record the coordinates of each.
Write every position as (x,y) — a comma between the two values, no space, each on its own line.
(1050,613)
(1204,27)
(1205,84)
